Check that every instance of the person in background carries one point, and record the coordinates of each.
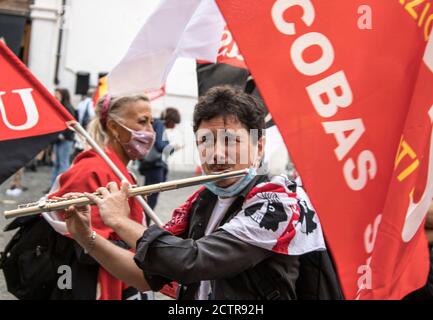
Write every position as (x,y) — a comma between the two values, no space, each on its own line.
(86,109)
(63,146)
(153,167)
(85,114)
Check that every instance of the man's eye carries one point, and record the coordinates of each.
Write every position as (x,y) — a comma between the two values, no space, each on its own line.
(205,140)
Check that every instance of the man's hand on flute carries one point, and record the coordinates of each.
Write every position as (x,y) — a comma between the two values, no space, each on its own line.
(118,261)
(114,210)
(78,220)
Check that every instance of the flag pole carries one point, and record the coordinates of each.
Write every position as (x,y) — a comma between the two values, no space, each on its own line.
(147,209)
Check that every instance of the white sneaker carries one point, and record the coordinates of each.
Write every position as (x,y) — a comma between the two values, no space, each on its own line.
(16,192)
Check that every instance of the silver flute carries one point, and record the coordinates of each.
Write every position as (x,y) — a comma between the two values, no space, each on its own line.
(49,205)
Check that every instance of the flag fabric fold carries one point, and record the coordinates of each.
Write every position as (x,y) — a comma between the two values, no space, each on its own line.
(188,28)
(30,117)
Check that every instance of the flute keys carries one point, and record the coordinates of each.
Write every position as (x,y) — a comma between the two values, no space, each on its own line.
(27,205)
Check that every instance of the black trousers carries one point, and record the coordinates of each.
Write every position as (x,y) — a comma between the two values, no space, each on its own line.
(153,176)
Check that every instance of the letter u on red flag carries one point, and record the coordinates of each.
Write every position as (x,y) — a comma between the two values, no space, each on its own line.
(30,117)
(347,100)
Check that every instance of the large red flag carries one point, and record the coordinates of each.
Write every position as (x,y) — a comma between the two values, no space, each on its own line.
(229,69)
(30,117)
(354,107)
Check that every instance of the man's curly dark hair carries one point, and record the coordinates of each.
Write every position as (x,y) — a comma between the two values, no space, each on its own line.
(228,101)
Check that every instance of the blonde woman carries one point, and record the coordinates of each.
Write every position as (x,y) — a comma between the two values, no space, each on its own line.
(123,127)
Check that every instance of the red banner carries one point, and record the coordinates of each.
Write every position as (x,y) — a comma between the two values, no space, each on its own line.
(353,104)
(229,52)
(27,109)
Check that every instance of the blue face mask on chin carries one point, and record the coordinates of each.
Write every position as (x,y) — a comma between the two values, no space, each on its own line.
(234,189)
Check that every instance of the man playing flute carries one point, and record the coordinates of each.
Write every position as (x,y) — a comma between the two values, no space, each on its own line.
(238,238)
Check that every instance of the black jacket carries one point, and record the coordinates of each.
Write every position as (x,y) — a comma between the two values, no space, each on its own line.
(237,270)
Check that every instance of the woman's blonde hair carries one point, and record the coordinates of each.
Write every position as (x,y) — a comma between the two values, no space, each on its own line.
(97,128)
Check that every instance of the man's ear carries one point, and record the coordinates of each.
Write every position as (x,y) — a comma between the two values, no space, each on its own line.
(260,150)
(261,147)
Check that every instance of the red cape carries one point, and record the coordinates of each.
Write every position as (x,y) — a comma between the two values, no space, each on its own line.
(88,173)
